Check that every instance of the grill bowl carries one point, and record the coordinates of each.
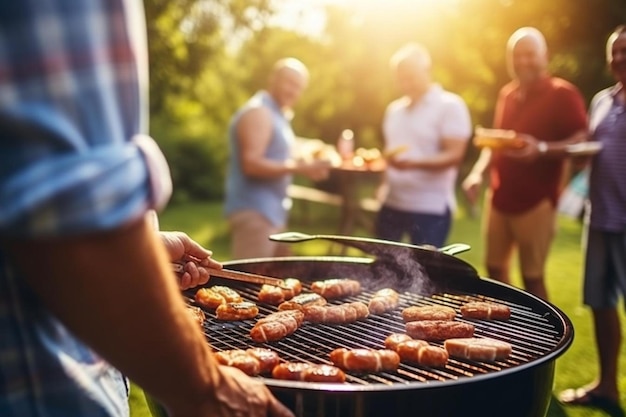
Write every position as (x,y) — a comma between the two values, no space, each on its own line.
(520,386)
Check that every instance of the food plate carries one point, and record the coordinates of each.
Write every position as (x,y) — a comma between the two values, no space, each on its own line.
(584,148)
(496,138)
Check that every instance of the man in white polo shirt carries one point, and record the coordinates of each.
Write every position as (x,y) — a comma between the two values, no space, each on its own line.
(427,130)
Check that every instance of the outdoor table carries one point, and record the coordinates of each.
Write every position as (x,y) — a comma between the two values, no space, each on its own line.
(351,181)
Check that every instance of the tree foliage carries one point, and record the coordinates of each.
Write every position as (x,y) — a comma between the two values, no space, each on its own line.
(208,56)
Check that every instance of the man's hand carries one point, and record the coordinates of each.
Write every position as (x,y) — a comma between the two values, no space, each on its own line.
(471,187)
(527,153)
(236,394)
(195,259)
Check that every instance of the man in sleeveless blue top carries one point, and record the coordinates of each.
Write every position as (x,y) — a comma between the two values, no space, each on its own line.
(261,165)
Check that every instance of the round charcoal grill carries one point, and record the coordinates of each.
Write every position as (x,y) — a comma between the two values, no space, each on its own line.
(520,386)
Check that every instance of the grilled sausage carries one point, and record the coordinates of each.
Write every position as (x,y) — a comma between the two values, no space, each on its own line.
(336,288)
(420,352)
(213,297)
(336,314)
(239,359)
(236,311)
(267,358)
(365,360)
(274,295)
(431,312)
(383,300)
(393,340)
(438,329)
(300,302)
(478,349)
(196,314)
(291,288)
(302,371)
(276,326)
(485,310)
(270,294)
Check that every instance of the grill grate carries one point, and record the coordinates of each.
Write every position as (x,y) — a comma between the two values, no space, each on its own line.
(532,335)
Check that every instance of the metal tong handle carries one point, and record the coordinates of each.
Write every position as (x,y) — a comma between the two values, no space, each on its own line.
(238,276)
(368,245)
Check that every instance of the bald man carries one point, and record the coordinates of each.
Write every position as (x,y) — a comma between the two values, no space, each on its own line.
(261,166)
(548,113)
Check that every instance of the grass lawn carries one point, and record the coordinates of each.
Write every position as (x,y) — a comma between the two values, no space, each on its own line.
(204,222)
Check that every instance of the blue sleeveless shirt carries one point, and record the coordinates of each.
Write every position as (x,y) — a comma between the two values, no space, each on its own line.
(268,196)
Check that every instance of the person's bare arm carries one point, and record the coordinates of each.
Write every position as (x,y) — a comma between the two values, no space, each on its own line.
(473,181)
(533,147)
(254,132)
(116,292)
(451,154)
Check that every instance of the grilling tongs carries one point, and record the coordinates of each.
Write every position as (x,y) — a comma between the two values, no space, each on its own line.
(238,276)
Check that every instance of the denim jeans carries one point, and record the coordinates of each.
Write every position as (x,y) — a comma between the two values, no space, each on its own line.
(422,228)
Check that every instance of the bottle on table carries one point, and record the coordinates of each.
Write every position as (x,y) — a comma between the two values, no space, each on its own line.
(345,144)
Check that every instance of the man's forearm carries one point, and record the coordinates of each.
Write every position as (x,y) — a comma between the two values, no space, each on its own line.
(116,292)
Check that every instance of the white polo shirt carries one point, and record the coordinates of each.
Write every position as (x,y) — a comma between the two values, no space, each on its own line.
(439,114)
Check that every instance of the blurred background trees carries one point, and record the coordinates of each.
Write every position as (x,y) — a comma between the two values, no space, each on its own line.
(208,56)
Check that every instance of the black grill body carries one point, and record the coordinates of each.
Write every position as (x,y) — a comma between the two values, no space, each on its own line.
(520,386)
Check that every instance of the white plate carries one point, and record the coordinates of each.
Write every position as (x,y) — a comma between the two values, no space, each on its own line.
(584,148)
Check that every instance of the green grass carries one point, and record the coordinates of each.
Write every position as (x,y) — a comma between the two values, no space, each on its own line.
(204,222)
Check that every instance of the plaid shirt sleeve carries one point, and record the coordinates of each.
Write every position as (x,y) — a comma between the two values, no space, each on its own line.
(73,159)
(70,106)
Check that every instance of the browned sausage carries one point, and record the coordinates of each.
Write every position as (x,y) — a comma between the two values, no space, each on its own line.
(301,301)
(336,314)
(196,314)
(383,300)
(236,311)
(301,371)
(270,294)
(393,340)
(323,373)
(213,297)
(291,288)
(274,295)
(431,312)
(478,349)
(267,358)
(276,326)
(420,352)
(438,329)
(365,360)
(239,359)
(485,310)
(336,288)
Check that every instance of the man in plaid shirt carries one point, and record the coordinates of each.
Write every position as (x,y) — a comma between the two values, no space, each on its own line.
(81,269)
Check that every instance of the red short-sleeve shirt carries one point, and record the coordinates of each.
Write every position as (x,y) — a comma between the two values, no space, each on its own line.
(552,110)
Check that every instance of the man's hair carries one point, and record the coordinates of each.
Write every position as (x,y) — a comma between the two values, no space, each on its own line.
(614,35)
(411,51)
(528,32)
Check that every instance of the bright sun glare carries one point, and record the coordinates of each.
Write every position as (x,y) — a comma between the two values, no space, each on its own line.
(308,16)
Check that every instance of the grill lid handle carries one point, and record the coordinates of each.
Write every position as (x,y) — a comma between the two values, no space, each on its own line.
(367,245)
(390,252)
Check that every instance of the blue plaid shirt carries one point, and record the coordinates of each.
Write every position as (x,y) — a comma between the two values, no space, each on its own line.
(72,161)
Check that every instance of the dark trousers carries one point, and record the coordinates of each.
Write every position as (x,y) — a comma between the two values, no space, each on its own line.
(431,229)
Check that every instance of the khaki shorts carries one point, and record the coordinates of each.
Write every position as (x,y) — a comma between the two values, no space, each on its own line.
(250,233)
(530,232)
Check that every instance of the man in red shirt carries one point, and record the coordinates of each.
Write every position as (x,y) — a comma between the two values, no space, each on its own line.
(547,113)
